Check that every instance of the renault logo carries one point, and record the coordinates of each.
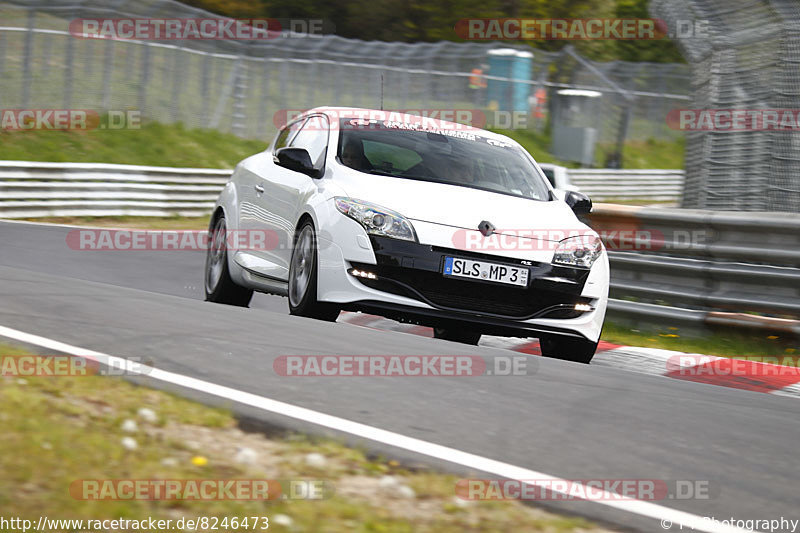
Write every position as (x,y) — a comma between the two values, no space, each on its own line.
(486,228)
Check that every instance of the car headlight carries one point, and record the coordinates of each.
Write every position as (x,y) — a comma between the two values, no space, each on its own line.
(580,251)
(377,220)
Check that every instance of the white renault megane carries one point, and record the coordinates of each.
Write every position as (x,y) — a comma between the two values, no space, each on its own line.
(414,219)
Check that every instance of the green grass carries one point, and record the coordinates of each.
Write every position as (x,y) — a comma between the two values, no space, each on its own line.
(737,344)
(57,430)
(652,153)
(174,145)
(537,144)
(154,144)
(662,154)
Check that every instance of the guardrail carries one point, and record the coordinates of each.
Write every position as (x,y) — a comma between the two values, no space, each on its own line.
(31,190)
(615,184)
(668,265)
(702,267)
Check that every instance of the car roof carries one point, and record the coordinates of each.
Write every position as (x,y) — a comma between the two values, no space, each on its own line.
(359,112)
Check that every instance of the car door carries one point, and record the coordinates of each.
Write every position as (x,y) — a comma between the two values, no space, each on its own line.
(257,216)
(285,191)
(313,137)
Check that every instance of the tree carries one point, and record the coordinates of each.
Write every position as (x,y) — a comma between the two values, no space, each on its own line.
(426,21)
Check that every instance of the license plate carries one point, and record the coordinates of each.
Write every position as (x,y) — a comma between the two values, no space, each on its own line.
(485,271)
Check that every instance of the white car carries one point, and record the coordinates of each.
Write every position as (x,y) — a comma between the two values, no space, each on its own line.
(558,177)
(421,221)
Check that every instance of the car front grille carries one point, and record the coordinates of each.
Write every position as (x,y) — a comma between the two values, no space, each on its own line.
(471,296)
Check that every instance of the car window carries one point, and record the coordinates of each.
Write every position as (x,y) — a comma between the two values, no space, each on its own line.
(390,157)
(314,137)
(286,135)
(551,175)
(450,156)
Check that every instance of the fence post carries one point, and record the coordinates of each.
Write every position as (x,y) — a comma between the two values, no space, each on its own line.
(69,54)
(47,41)
(284,73)
(144,79)
(239,118)
(26,60)
(378,82)
(337,86)
(88,57)
(176,86)
(2,52)
(311,82)
(108,68)
(227,89)
(204,74)
(623,132)
(405,88)
(313,70)
(261,131)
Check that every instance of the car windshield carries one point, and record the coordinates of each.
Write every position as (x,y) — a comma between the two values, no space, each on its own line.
(452,156)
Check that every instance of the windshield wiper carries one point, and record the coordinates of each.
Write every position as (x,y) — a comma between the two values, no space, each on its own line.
(379,172)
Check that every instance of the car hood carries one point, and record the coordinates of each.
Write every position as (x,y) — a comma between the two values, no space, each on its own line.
(462,207)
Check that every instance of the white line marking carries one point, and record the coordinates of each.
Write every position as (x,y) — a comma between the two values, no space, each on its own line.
(55,225)
(437,451)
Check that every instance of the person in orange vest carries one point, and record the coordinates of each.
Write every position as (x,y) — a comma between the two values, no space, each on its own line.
(476,80)
(541,101)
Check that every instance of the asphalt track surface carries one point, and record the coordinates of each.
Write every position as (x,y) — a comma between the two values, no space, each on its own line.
(568,420)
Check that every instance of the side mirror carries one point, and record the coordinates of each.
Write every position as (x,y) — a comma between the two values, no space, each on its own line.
(296,159)
(578,202)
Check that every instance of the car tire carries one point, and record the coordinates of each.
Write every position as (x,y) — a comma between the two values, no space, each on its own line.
(219,287)
(303,268)
(463,336)
(568,348)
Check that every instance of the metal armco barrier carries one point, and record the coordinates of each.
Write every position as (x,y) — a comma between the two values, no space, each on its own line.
(604,184)
(712,268)
(668,265)
(29,190)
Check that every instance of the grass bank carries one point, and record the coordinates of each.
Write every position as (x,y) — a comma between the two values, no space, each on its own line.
(739,344)
(173,145)
(155,144)
(59,429)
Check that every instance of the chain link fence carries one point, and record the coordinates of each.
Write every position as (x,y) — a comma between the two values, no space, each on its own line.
(244,87)
(750,59)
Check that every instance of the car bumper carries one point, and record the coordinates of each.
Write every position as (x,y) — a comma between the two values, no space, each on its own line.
(408,285)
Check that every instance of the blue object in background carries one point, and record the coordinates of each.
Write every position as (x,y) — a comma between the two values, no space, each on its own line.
(514,64)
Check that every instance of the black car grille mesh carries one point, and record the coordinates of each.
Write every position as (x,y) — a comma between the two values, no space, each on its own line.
(440,291)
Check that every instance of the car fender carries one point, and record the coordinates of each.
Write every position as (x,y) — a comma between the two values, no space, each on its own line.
(227,200)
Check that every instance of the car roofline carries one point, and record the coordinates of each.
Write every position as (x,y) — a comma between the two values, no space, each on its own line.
(358,112)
